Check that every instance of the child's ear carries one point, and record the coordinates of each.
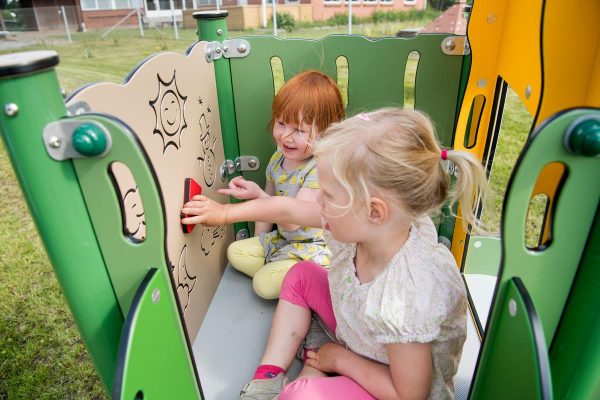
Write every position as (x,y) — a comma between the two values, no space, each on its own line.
(379,211)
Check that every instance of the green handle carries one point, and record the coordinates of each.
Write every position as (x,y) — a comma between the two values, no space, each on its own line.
(89,140)
(583,138)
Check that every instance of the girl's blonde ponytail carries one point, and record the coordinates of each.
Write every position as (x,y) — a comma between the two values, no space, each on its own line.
(469,187)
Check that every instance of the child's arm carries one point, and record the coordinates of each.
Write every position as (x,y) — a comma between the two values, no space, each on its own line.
(304,194)
(407,377)
(263,227)
(274,209)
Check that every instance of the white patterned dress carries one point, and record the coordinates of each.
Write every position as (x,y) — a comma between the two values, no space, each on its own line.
(419,297)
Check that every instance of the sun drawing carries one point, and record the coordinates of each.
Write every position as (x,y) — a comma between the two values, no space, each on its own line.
(168,108)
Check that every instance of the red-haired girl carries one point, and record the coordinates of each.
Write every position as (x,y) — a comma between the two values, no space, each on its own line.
(304,107)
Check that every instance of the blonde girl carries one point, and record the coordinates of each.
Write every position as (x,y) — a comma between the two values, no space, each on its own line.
(304,107)
(393,296)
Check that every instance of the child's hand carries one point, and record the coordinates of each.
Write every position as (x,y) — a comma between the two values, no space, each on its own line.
(205,211)
(243,189)
(324,359)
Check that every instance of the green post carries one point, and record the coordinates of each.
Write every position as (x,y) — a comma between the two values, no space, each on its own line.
(31,98)
(211,27)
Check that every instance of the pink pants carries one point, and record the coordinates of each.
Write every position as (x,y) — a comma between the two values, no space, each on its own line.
(306,285)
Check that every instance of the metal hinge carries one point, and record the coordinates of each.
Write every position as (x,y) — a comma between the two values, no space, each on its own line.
(234,48)
(244,163)
(456,46)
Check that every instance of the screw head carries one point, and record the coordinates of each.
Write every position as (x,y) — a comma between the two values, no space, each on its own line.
(218,50)
(63,93)
(219,32)
(209,53)
(449,45)
(11,109)
(225,48)
(528,92)
(492,18)
(512,307)
(242,48)
(54,142)
(252,163)
(155,296)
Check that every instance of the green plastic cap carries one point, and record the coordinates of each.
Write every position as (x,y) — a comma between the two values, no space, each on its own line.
(584,138)
(89,140)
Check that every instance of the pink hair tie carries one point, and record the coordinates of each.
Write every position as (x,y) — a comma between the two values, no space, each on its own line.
(364,117)
(444,154)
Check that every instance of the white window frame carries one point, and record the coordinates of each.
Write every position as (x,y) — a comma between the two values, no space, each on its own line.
(332,2)
(410,2)
(113,6)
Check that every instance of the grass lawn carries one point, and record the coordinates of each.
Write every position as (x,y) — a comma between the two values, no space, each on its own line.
(41,353)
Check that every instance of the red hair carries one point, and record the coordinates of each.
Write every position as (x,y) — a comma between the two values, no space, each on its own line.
(312,96)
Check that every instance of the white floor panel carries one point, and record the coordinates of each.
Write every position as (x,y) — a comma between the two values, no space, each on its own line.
(481,288)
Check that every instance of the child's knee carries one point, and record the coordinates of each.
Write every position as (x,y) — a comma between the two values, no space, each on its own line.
(234,250)
(299,272)
(266,288)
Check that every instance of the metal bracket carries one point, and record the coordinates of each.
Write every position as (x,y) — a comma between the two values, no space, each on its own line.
(234,48)
(213,51)
(227,168)
(456,46)
(244,163)
(58,139)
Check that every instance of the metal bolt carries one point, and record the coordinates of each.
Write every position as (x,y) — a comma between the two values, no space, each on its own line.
(252,163)
(492,18)
(63,92)
(155,296)
(481,83)
(477,244)
(219,32)
(512,307)
(218,50)
(209,53)
(449,45)
(242,48)
(54,142)
(225,48)
(528,91)
(11,109)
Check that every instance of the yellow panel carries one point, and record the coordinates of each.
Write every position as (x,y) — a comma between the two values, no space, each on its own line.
(571,60)
(520,60)
(505,41)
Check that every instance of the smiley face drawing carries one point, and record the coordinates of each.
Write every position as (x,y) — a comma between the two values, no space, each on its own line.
(208,157)
(168,109)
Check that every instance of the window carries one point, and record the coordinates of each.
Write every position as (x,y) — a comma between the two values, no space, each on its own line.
(108,4)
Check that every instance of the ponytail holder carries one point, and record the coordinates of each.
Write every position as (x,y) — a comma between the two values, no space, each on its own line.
(364,117)
(444,154)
